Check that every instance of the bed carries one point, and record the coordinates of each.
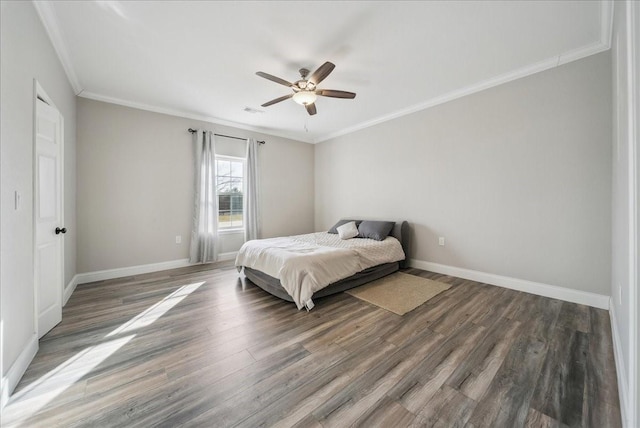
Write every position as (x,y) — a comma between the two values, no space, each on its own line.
(305,267)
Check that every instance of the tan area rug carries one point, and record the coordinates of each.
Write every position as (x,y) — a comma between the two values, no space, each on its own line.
(399,292)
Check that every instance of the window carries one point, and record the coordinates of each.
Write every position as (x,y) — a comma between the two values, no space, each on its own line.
(229,182)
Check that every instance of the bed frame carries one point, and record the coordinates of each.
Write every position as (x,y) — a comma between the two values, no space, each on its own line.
(273,286)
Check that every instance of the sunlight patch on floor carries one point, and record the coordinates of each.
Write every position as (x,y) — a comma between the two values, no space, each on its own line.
(150,315)
(44,390)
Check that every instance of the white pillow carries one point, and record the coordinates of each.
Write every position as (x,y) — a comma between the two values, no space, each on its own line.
(348,230)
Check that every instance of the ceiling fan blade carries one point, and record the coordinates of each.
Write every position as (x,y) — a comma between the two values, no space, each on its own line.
(277,100)
(335,94)
(274,78)
(311,109)
(321,73)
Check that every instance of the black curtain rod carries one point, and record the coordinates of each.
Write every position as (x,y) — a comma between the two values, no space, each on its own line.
(227,136)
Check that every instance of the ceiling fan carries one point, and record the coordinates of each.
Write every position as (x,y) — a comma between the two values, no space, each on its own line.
(305,91)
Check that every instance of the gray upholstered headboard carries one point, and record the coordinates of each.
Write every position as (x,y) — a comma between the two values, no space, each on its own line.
(401,233)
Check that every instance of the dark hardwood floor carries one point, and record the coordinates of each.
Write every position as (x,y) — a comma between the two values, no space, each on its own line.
(201,347)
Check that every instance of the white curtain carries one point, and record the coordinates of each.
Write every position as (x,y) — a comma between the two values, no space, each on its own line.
(204,231)
(251,192)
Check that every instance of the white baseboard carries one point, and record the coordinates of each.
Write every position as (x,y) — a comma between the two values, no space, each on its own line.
(540,289)
(69,289)
(102,275)
(623,383)
(227,256)
(14,374)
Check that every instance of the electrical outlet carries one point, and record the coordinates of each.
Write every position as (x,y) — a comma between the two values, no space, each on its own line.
(441,241)
(178,239)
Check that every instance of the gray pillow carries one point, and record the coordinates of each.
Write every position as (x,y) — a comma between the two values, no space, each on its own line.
(378,230)
(335,227)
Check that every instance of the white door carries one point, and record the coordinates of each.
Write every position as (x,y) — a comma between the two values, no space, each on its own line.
(49,231)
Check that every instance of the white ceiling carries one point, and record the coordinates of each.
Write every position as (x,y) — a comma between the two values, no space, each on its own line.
(198,59)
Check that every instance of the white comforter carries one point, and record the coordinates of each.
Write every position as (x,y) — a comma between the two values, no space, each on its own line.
(305,264)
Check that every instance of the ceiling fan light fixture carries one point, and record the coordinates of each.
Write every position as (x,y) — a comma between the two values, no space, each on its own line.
(305,97)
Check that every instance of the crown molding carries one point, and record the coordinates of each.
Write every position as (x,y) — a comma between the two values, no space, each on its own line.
(528,70)
(189,115)
(50,22)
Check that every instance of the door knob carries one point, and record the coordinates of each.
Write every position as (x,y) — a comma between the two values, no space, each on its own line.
(59,231)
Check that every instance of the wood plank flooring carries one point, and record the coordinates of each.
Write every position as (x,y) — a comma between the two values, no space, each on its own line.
(202,346)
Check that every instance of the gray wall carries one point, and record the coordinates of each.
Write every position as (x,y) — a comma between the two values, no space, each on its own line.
(27,54)
(135,185)
(517,178)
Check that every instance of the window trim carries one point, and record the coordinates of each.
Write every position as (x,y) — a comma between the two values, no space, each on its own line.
(231,229)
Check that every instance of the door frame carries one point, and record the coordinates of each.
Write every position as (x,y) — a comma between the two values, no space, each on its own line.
(39,92)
